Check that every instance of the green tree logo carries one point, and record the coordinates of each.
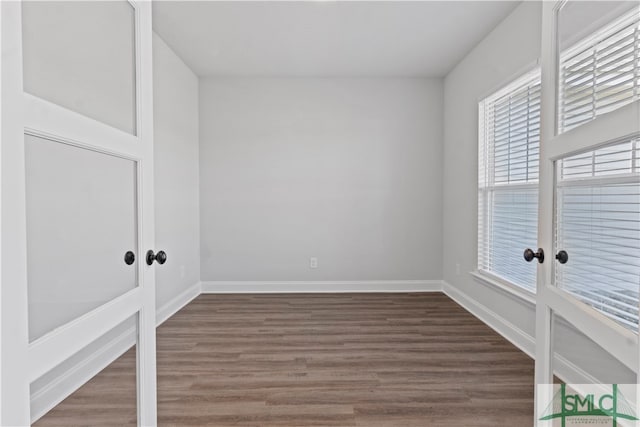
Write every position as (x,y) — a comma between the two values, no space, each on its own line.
(565,405)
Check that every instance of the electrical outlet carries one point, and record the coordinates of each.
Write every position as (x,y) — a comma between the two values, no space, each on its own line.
(458,269)
(313,262)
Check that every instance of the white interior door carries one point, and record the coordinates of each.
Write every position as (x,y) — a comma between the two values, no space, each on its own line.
(77,190)
(589,207)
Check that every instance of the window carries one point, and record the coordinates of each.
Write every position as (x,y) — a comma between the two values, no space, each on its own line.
(600,73)
(508,180)
(598,192)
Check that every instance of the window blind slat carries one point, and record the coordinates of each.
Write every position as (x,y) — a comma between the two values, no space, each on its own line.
(601,75)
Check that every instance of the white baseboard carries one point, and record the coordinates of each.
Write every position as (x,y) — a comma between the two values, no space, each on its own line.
(62,385)
(512,333)
(319,286)
(564,369)
(172,307)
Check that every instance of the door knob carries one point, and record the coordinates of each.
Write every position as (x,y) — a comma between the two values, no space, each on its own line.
(529,255)
(160,257)
(129,258)
(562,257)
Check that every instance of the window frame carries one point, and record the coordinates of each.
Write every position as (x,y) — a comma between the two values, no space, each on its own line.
(527,77)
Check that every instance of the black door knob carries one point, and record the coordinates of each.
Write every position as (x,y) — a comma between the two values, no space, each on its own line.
(160,257)
(129,258)
(529,255)
(562,257)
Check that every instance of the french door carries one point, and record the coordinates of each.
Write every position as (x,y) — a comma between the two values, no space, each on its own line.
(589,203)
(77,192)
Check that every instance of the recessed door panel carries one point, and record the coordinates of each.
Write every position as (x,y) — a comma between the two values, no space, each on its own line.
(108,398)
(81,55)
(597,44)
(81,223)
(598,230)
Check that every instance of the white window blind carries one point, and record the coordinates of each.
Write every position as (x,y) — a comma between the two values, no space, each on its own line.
(509,147)
(600,73)
(598,224)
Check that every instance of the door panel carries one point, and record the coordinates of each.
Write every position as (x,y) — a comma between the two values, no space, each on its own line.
(80,193)
(81,55)
(589,206)
(598,227)
(566,339)
(596,180)
(81,220)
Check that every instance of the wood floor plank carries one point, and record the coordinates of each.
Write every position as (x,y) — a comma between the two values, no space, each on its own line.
(393,359)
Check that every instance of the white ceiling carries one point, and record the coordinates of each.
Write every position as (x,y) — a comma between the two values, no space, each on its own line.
(321,38)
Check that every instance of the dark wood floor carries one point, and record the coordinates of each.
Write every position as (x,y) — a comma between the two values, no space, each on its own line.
(319,360)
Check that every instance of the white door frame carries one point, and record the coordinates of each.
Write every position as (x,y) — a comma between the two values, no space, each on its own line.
(620,342)
(1,50)
(13,309)
(21,361)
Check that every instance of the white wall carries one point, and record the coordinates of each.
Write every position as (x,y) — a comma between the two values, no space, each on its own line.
(346,170)
(177,213)
(511,49)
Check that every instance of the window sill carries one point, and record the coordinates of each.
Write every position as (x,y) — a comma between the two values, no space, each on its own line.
(491,280)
